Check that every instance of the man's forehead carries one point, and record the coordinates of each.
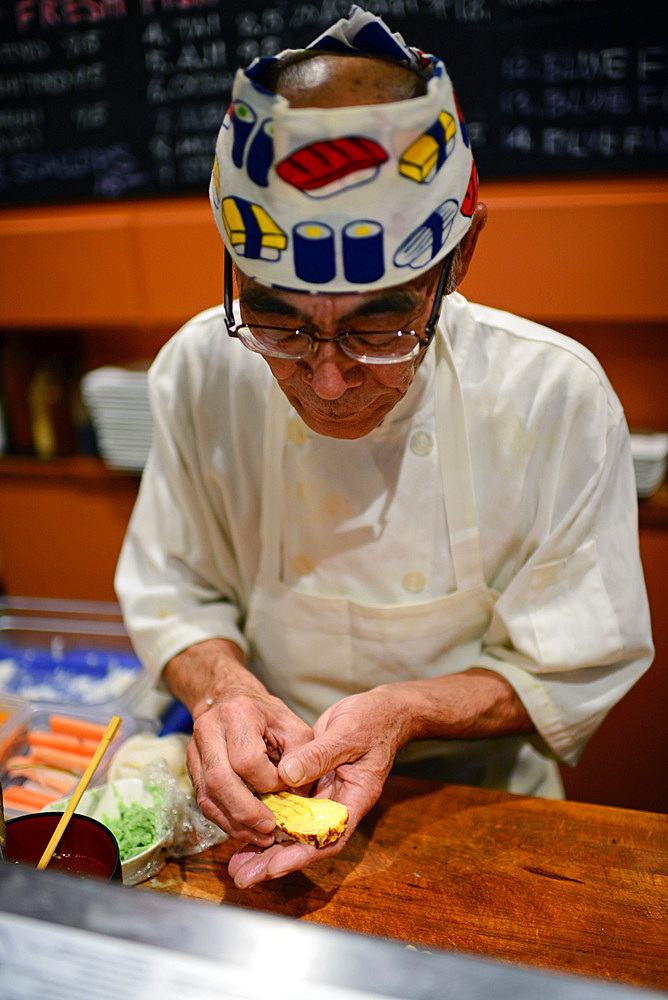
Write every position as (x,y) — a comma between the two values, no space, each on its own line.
(397,298)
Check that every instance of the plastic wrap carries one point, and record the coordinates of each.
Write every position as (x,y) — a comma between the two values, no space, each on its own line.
(181,827)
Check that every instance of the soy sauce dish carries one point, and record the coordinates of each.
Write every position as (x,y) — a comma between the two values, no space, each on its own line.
(87,848)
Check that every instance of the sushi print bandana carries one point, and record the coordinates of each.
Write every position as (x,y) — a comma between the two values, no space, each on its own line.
(343,199)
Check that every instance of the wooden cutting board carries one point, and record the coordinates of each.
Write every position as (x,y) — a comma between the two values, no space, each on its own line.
(562,885)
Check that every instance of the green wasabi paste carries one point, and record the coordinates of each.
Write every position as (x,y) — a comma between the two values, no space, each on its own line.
(135,828)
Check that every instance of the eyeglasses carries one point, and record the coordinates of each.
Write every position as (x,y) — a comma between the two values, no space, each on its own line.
(370,347)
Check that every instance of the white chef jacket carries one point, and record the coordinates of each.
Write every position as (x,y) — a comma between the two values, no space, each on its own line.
(554,488)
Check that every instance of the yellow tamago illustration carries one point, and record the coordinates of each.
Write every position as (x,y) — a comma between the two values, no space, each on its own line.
(422,158)
(247,223)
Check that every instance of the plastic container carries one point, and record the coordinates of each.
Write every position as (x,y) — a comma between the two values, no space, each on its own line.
(42,607)
(36,719)
(14,714)
(69,653)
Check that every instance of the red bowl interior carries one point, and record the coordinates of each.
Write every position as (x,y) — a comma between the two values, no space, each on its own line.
(87,847)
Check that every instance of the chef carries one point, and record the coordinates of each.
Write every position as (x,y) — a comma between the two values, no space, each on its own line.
(379,526)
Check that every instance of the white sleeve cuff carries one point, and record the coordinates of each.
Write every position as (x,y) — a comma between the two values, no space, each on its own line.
(567,708)
(156,641)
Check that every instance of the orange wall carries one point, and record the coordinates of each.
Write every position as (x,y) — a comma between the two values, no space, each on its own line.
(574,250)
(580,251)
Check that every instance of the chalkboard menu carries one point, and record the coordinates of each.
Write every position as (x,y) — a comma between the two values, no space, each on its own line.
(103,99)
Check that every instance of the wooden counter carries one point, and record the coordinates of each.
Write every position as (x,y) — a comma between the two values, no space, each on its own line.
(560,885)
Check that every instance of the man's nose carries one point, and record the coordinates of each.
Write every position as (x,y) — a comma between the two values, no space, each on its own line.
(330,372)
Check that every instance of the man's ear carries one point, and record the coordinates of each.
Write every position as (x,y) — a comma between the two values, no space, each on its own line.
(468,243)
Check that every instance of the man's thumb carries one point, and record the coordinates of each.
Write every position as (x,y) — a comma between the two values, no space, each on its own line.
(291,771)
(310,762)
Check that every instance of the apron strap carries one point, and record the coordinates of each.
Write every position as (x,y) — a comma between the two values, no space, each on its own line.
(272,488)
(456,472)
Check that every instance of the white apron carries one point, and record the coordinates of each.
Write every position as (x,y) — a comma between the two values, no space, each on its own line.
(312,650)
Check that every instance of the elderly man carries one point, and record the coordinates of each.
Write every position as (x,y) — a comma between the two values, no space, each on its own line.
(354,548)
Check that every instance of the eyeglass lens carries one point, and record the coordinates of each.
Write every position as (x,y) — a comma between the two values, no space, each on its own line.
(386,345)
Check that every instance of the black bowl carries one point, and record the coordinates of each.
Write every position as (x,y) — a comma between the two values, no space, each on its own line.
(87,847)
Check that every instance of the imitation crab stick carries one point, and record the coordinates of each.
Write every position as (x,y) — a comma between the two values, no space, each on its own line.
(47,777)
(81,728)
(20,798)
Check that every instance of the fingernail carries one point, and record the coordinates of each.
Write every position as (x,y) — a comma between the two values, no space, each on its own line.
(244,882)
(265,826)
(293,771)
(249,872)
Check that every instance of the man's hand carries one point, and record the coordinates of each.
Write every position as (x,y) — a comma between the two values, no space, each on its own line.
(236,744)
(245,738)
(240,732)
(354,745)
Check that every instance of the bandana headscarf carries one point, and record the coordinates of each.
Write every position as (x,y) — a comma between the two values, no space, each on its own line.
(343,199)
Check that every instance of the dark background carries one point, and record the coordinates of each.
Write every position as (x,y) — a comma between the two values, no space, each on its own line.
(103,99)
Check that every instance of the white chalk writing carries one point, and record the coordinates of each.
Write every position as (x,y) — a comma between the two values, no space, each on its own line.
(114,168)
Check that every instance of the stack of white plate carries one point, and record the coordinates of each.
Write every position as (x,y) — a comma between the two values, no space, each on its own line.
(650,461)
(117,401)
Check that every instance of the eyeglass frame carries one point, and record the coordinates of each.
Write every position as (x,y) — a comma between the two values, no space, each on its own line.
(314,340)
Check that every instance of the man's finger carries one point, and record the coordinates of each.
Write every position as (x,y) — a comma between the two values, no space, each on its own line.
(225,799)
(248,867)
(316,758)
(290,858)
(241,856)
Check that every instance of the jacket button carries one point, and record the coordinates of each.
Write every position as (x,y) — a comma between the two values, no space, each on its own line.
(421,443)
(302,565)
(413,582)
(337,506)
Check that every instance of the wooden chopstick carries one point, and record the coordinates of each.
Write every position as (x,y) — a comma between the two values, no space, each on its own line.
(108,736)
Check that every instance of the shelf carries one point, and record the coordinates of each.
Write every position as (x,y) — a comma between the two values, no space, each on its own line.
(653,511)
(85,469)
